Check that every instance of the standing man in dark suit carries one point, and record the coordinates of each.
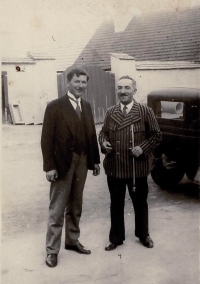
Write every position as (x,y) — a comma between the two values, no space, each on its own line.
(115,140)
(69,148)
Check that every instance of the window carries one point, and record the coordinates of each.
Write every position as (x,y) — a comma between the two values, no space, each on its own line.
(170,110)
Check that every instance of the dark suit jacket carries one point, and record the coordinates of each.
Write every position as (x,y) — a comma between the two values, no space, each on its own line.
(59,128)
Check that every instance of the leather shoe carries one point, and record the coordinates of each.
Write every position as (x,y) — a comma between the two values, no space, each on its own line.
(51,260)
(147,241)
(78,248)
(112,246)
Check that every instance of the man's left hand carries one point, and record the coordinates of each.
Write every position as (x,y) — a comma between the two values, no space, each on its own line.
(136,151)
(96,170)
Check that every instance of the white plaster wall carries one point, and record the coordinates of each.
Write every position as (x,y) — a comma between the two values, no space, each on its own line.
(115,66)
(122,67)
(19,82)
(148,81)
(33,88)
(20,88)
(45,87)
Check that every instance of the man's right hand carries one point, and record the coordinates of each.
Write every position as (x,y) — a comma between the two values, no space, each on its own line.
(52,175)
(107,146)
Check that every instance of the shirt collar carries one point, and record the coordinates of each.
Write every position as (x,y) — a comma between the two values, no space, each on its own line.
(73,97)
(129,106)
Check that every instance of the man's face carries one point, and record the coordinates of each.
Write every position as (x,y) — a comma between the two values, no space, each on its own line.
(125,91)
(77,85)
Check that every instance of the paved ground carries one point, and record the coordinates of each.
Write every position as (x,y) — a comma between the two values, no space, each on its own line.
(174,226)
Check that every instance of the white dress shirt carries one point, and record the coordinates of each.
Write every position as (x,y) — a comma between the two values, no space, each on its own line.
(74,104)
(129,106)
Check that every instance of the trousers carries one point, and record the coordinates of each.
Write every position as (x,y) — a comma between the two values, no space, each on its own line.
(66,198)
(117,189)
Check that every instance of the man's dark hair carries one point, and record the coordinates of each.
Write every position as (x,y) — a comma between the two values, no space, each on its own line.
(128,77)
(78,72)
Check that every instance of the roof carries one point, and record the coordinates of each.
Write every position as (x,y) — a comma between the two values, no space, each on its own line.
(67,51)
(168,36)
(46,47)
(159,65)
(30,58)
(24,60)
(40,56)
(122,56)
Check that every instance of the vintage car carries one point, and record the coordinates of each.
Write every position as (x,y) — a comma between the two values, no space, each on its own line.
(178,115)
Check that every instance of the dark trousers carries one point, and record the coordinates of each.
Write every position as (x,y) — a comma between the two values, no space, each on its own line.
(66,196)
(117,188)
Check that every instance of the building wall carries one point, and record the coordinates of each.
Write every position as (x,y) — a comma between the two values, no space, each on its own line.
(149,80)
(121,67)
(32,87)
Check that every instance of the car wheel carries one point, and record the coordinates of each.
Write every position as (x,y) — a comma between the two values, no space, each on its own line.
(167,176)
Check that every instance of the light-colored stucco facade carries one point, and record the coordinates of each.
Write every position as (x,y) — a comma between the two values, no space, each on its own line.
(155,75)
(149,80)
(32,87)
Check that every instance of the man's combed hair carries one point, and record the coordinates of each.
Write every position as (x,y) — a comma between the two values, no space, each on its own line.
(128,77)
(78,72)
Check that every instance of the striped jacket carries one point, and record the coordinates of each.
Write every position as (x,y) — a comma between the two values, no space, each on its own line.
(117,130)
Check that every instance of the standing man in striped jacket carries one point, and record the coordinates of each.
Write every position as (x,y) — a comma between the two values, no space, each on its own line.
(127,161)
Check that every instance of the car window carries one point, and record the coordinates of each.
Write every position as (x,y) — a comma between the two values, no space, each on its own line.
(170,110)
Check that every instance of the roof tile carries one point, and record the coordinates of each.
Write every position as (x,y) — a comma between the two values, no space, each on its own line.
(166,37)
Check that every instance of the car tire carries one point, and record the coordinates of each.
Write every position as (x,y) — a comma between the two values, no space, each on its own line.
(166,178)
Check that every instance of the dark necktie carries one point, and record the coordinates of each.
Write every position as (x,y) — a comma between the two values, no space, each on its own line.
(124,111)
(78,109)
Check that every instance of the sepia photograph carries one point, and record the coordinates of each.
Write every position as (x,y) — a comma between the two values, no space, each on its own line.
(100,160)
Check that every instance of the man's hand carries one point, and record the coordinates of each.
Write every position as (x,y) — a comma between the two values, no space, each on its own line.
(52,175)
(96,170)
(107,146)
(136,151)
